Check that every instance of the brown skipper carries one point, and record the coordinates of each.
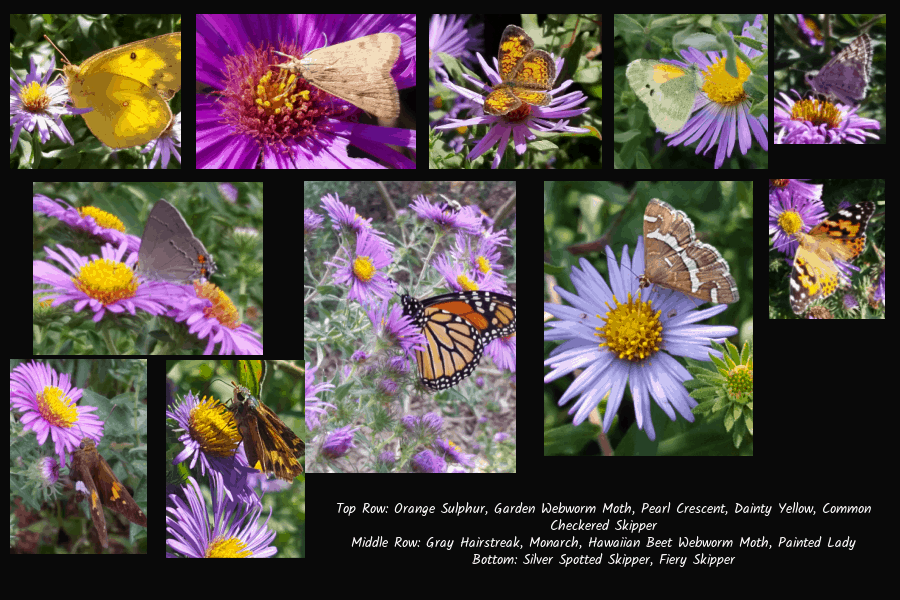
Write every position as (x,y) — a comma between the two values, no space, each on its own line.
(103,487)
(270,445)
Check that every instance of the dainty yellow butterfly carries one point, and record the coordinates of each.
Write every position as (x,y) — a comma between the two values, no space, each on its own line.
(128,88)
(669,91)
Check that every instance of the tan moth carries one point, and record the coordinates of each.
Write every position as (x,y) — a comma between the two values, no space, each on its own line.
(358,71)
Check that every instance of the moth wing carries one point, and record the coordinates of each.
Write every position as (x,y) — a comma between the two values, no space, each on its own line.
(358,71)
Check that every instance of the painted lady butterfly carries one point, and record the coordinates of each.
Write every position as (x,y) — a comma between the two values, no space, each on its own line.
(842,236)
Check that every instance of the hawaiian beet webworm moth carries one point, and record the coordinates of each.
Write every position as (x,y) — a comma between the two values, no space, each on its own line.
(674,259)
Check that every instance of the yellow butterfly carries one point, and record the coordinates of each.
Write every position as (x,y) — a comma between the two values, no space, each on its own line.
(128,88)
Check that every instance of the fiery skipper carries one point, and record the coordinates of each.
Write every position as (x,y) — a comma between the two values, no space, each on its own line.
(358,71)
(270,445)
(103,488)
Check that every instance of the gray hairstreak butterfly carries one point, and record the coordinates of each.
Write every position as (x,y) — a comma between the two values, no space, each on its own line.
(846,76)
(169,251)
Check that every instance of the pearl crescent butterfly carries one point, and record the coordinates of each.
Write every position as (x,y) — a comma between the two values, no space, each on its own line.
(526,74)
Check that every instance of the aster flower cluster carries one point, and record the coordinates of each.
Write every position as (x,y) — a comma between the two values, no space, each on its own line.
(447,239)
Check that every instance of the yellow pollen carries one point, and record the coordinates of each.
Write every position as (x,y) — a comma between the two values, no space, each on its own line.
(790,222)
(721,87)
(277,93)
(363,268)
(34,97)
(817,112)
(632,331)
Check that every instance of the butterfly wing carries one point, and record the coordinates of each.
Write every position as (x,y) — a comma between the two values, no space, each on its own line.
(846,76)
(125,112)
(155,62)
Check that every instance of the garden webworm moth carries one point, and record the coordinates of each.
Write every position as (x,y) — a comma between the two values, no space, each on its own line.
(358,71)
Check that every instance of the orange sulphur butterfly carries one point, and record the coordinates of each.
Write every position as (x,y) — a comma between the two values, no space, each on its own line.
(128,88)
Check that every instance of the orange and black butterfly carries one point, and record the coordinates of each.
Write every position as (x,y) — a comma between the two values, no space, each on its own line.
(457,326)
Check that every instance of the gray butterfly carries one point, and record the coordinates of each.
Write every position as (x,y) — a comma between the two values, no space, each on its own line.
(846,76)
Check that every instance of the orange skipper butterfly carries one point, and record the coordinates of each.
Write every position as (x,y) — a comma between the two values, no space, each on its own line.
(270,445)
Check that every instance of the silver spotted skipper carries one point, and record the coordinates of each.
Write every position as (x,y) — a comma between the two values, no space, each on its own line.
(103,488)
(270,445)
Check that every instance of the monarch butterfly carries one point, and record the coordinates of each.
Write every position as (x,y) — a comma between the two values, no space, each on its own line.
(456,327)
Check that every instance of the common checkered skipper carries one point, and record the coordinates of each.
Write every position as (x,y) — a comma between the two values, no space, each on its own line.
(845,76)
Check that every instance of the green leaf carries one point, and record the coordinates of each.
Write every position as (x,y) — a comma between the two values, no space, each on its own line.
(252,375)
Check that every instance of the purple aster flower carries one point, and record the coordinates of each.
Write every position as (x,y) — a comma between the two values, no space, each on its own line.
(48,405)
(812,121)
(810,30)
(448,34)
(620,339)
(230,528)
(36,103)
